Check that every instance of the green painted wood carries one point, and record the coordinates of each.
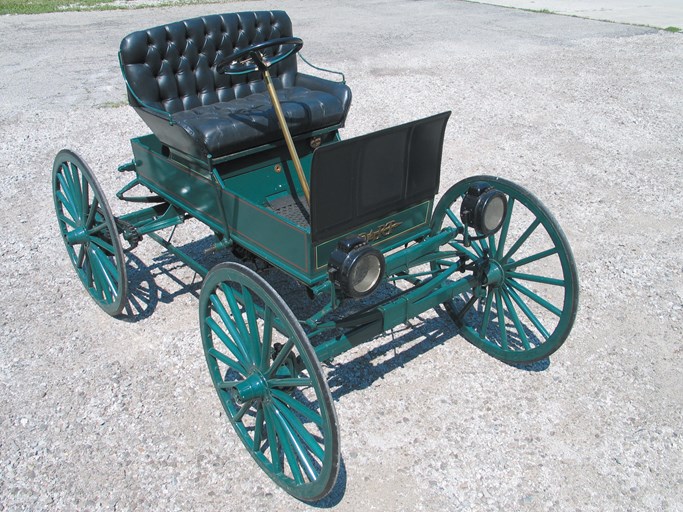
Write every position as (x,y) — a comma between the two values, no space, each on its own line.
(89,232)
(236,199)
(269,381)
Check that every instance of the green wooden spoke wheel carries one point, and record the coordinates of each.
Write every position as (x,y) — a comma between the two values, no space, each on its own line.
(269,380)
(528,300)
(89,232)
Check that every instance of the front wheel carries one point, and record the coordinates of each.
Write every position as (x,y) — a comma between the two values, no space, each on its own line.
(269,381)
(527,305)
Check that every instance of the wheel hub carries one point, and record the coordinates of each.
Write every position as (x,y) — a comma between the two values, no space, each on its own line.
(495,275)
(252,387)
(77,236)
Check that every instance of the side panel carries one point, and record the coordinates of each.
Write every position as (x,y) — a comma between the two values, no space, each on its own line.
(268,235)
(191,190)
(252,188)
(384,234)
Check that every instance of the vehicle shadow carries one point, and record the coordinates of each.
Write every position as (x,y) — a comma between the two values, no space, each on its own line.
(338,491)
(419,334)
(144,293)
(407,344)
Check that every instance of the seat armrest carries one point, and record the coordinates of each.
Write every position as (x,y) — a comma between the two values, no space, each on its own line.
(338,89)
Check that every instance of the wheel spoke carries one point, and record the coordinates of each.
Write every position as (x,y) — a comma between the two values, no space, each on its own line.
(477,248)
(228,384)
(290,382)
(513,265)
(92,282)
(242,411)
(285,444)
(536,298)
(232,328)
(483,243)
(73,178)
(258,429)
(300,408)
(523,238)
(501,322)
(237,314)
(106,263)
(516,321)
(529,314)
(253,326)
(311,442)
(492,245)
(487,313)
(211,323)
(68,188)
(284,352)
(85,195)
(91,213)
(272,440)
(267,338)
(504,228)
(454,218)
(536,279)
(104,245)
(81,256)
(68,205)
(109,271)
(86,272)
(66,220)
(297,457)
(464,250)
(99,282)
(235,365)
(106,281)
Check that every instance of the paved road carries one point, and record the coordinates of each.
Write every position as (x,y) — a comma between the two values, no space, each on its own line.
(656,13)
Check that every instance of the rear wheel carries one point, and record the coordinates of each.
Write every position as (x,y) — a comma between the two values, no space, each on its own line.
(269,381)
(89,232)
(527,305)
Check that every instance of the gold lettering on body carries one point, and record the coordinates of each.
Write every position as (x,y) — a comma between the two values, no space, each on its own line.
(380,231)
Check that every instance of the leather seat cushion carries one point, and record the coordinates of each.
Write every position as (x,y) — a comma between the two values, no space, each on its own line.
(227,127)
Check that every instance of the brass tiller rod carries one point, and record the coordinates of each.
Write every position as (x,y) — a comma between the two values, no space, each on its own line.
(288,136)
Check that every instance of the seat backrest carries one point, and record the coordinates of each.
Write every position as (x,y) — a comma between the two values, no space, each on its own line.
(173,67)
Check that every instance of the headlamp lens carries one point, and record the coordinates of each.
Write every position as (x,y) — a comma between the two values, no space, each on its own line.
(356,267)
(494,211)
(365,273)
(483,208)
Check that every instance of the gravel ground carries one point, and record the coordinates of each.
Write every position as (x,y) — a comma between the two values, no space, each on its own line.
(99,413)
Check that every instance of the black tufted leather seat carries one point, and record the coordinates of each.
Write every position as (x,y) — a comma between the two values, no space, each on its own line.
(172,83)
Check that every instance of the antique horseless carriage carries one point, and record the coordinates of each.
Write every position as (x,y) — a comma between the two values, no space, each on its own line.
(249,146)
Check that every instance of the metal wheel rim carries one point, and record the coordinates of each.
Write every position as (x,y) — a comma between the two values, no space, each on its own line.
(520,304)
(306,435)
(89,232)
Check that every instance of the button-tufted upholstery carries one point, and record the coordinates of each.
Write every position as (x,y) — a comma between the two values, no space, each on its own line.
(172,83)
